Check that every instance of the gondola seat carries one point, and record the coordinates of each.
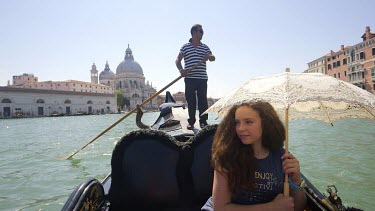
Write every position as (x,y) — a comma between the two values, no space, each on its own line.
(151,170)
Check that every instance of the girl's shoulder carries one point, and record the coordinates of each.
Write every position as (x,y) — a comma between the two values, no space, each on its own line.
(278,152)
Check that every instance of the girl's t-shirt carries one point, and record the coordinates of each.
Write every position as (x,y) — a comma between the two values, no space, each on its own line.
(269,179)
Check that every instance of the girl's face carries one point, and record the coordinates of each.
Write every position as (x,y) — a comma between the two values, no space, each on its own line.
(248,125)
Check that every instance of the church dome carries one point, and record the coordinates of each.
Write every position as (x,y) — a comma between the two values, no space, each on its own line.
(107,74)
(129,65)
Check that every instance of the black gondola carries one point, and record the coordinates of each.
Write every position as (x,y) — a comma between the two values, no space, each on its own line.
(165,167)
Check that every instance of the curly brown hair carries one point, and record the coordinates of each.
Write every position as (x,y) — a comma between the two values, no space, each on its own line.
(234,159)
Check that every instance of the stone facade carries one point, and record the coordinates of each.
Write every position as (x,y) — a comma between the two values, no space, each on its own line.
(354,64)
(130,80)
(26,102)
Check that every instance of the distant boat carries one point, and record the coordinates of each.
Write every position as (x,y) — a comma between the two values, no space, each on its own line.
(56,114)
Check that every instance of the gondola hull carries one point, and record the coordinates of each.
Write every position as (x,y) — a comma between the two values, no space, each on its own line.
(152,170)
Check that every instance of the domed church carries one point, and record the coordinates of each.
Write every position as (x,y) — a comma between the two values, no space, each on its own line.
(129,79)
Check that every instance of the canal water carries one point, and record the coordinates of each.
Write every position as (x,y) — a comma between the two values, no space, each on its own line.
(33,176)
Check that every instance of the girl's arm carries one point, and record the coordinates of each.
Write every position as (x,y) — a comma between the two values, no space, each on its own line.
(291,167)
(221,198)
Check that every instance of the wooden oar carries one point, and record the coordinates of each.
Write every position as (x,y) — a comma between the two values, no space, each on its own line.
(135,109)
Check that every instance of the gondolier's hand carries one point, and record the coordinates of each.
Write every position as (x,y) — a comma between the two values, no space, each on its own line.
(291,167)
(209,57)
(183,72)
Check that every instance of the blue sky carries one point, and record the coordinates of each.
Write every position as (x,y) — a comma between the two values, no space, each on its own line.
(59,40)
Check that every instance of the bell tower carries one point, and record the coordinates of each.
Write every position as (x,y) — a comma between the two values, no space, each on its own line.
(94,74)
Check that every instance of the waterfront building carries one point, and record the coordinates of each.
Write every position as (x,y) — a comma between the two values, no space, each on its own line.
(27,97)
(31,102)
(337,63)
(317,66)
(354,64)
(361,62)
(179,97)
(29,81)
(129,79)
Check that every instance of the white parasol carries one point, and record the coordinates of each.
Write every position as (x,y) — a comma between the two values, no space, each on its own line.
(302,95)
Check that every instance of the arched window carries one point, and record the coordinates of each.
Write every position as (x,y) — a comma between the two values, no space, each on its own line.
(6,101)
(136,84)
(352,54)
(108,102)
(89,102)
(329,67)
(40,101)
(135,95)
(67,102)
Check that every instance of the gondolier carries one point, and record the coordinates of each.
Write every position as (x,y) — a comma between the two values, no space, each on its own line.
(195,80)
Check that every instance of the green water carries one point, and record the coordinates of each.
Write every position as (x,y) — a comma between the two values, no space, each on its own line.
(32,177)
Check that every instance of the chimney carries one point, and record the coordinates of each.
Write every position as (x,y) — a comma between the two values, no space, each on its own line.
(342,47)
(8,82)
(368,33)
(332,52)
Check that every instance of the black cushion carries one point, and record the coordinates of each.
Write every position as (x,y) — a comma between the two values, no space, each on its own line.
(144,165)
(201,169)
(151,170)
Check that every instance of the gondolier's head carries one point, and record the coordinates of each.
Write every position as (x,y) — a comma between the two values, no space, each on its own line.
(196,28)
(196,32)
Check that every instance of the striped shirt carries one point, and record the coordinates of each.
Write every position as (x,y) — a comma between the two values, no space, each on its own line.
(192,55)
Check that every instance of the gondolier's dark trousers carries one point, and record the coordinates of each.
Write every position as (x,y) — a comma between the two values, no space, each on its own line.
(196,89)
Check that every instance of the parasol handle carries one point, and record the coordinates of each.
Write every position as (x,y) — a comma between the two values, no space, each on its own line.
(286,180)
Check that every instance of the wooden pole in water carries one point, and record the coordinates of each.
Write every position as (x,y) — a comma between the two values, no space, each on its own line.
(132,111)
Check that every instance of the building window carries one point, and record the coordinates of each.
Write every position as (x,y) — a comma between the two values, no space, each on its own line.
(329,67)
(372,72)
(338,75)
(334,75)
(373,51)
(334,64)
(352,54)
(89,102)
(329,59)
(108,102)
(362,55)
(40,101)
(338,63)
(345,73)
(67,102)
(333,57)
(344,62)
(6,101)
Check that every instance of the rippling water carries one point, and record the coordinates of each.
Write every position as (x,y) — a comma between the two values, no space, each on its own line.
(33,177)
